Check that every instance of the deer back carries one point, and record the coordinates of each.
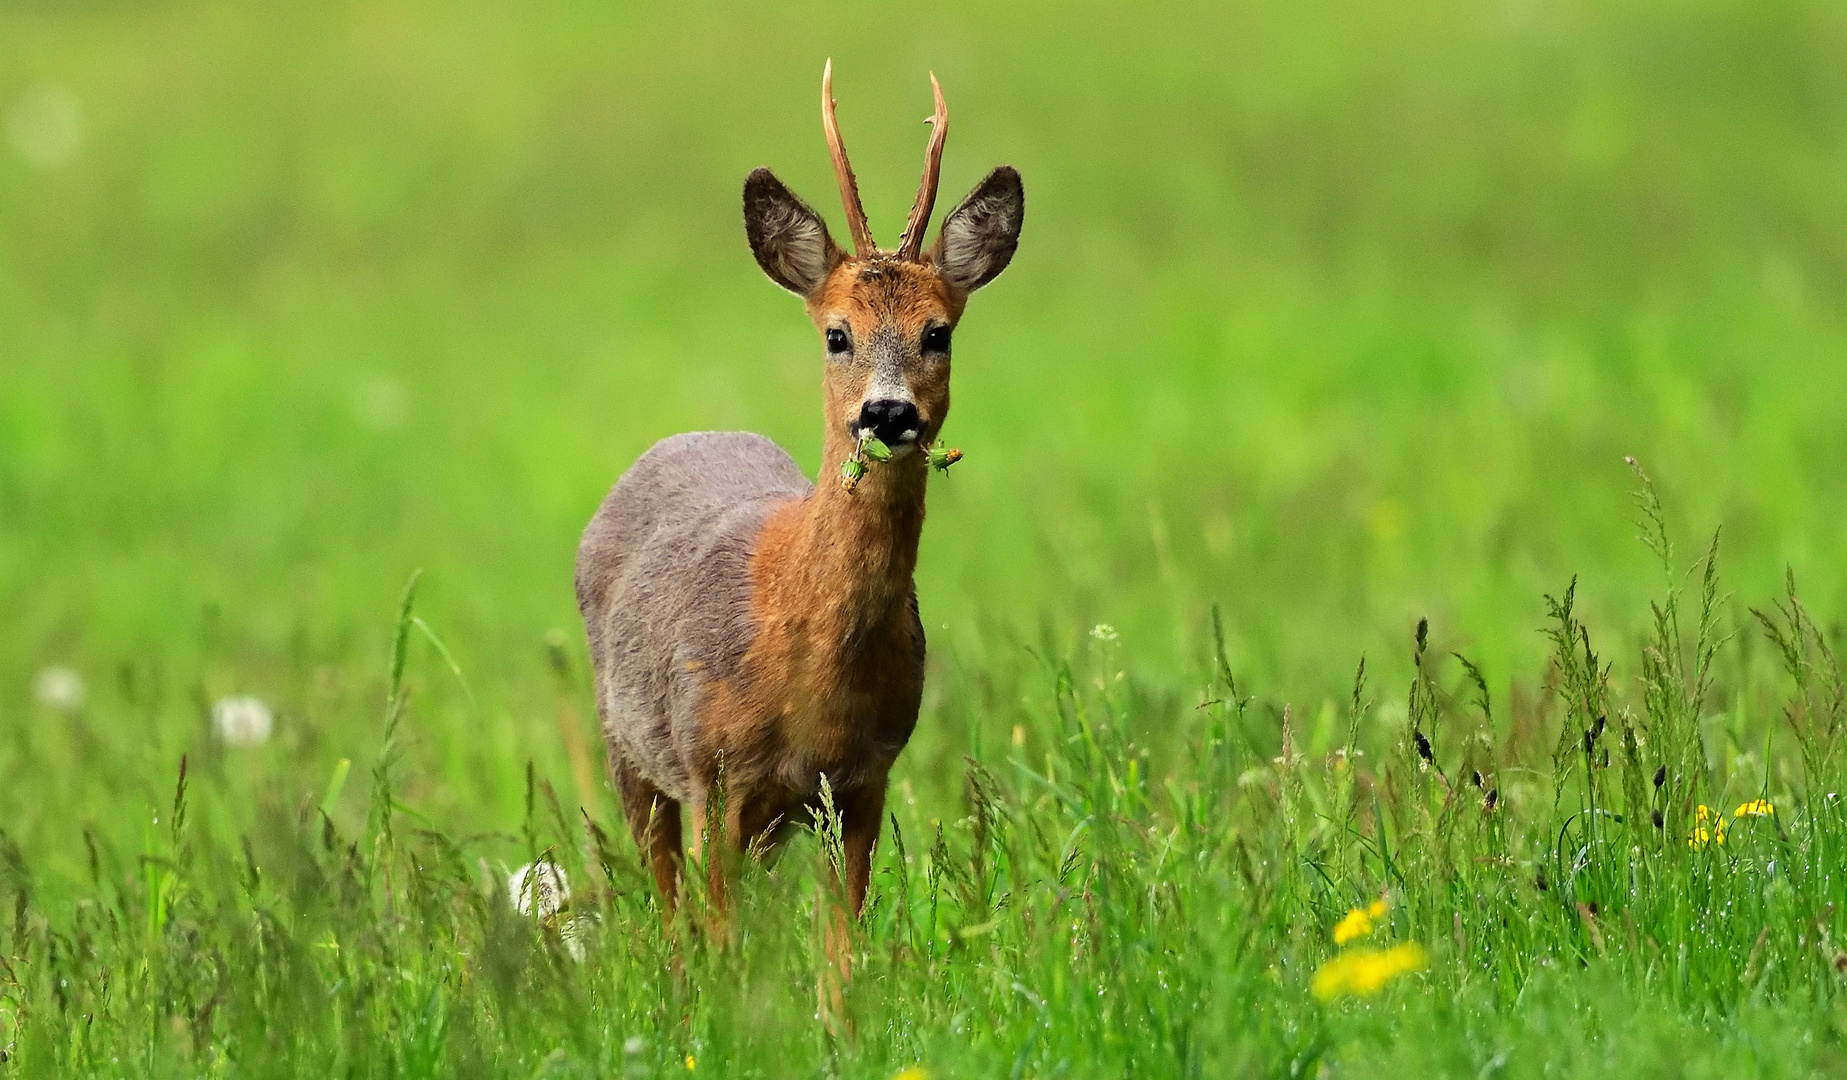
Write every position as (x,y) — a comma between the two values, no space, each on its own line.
(664,585)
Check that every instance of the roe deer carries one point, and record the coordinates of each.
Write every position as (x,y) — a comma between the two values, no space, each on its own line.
(738,614)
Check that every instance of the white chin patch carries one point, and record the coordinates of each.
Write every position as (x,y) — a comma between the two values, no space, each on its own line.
(905,441)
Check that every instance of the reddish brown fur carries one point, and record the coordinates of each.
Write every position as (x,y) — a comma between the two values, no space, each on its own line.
(760,640)
(831,683)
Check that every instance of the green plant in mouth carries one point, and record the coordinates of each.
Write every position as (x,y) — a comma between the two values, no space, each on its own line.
(871,448)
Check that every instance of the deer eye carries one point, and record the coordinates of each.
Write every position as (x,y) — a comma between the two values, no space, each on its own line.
(936,339)
(836,340)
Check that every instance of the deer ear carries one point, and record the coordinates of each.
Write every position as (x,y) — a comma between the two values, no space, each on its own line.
(788,238)
(979,235)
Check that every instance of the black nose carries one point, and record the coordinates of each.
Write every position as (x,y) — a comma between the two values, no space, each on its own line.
(892,421)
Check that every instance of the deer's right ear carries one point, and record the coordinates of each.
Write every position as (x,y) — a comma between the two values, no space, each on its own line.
(788,238)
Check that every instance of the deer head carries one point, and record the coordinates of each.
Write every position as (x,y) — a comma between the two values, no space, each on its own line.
(885,317)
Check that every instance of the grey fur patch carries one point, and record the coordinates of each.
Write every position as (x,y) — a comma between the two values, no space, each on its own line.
(889,356)
(980,235)
(663,582)
(788,238)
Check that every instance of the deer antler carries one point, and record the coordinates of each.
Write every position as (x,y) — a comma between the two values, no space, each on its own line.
(843,171)
(912,241)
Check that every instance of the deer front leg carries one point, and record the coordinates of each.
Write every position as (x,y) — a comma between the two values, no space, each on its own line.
(861,815)
(860,824)
(710,844)
(742,823)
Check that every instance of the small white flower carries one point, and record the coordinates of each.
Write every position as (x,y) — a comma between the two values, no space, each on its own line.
(1104,632)
(633,1045)
(242,721)
(59,688)
(540,888)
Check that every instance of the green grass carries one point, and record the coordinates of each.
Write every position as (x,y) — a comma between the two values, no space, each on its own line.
(1326,320)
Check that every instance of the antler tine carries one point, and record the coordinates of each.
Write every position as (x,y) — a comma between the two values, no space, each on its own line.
(911,243)
(843,170)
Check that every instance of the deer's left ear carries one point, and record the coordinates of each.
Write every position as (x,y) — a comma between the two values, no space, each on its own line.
(788,238)
(981,233)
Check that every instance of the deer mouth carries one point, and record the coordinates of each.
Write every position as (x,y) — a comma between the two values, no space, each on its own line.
(894,422)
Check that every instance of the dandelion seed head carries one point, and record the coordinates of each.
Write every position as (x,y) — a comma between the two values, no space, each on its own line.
(59,688)
(539,889)
(242,721)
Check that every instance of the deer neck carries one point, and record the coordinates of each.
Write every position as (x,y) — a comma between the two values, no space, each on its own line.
(846,558)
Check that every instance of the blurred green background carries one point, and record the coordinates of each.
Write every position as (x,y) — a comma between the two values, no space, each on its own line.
(1336,315)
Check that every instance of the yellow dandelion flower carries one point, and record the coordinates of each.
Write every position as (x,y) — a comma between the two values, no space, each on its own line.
(1754,808)
(1359,922)
(915,1072)
(1363,972)
(1705,813)
(1702,836)
(690,1063)
(1355,925)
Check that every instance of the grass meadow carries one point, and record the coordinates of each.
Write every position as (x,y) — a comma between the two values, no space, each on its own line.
(1314,688)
